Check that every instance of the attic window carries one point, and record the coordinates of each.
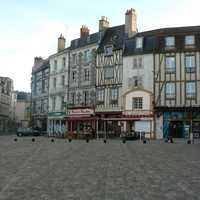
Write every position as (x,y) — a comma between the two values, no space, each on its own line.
(139,42)
(108,50)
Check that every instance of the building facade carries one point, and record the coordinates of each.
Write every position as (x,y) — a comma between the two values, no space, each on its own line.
(58,89)
(23,109)
(82,95)
(137,87)
(6,89)
(177,81)
(39,93)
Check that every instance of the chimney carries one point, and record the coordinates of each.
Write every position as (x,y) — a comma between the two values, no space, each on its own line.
(38,60)
(103,23)
(61,43)
(130,22)
(84,31)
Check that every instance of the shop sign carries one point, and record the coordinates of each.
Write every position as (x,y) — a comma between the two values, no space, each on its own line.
(80,112)
(56,114)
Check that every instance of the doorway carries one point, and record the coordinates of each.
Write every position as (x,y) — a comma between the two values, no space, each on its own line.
(176,129)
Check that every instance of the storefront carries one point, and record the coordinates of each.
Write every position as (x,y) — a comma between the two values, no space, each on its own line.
(109,124)
(180,124)
(80,120)
(57,124)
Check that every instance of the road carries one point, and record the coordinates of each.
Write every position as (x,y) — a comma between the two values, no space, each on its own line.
(43,170)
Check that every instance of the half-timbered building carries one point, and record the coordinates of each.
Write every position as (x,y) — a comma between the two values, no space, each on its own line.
(177,81)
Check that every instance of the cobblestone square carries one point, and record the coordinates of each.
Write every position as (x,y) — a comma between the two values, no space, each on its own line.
(45,170)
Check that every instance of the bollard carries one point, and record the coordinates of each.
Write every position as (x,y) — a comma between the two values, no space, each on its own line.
(33,139)
(144,141)
(87,140)
(189,142)
(69,139)
(15,139)
(124,140)
(104,141)
(52,140)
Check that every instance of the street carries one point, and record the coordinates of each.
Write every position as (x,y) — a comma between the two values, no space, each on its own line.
(45,170)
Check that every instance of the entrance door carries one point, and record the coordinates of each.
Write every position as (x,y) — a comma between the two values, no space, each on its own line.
(176,129)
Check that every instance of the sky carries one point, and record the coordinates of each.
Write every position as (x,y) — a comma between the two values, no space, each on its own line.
(31,28)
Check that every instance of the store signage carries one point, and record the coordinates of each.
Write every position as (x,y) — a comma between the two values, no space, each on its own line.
(56,114)
(80,112)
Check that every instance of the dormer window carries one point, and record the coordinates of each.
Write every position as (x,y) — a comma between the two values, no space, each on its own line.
(108,50)
(139,42)
(189,40)
(169,41)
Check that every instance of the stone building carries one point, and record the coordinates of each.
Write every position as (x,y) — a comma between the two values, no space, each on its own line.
(6,89)
(23,109)
(58,89)
(81,99)
(39,93)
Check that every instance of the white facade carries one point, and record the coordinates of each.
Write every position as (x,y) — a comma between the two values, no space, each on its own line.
(58,84)
(138,93)
(140,66)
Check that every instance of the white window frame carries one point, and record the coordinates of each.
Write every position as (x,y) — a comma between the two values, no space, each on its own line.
(114,93)
(190,63)
(190,89)
(108,50)
(137,103)
(170,41)
(189,40)
(139,42)
(170,90)
(170,64)
(109,72)
(100,95)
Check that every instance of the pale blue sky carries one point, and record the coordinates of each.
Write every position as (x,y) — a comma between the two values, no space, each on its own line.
(31,28)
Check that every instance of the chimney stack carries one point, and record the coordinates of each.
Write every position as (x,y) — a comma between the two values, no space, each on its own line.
(38,60)
(61,43)
(103,23)
(130,22)
(84,31)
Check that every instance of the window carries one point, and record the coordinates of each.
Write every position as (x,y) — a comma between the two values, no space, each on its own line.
(86,97)
(54,82)
(190,89)
(86,75)
(100,96)
(74,59)
(63,81)
(53,103)
(63,62)
(109,72)
(73,98)
(189,40)
(135,81)
(74,76)
(108,50)
(190,63)
(55,65)
(62,103)
(170,90)
(140,62)
(114,95)
(170,64)
(137,103)
(86,56)
(139,43)
(134,63)
(169,41)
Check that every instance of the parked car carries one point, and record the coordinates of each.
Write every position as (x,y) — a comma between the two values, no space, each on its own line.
(131,136)
(27,132)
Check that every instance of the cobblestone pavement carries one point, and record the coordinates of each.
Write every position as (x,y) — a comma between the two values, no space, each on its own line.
(43,170)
